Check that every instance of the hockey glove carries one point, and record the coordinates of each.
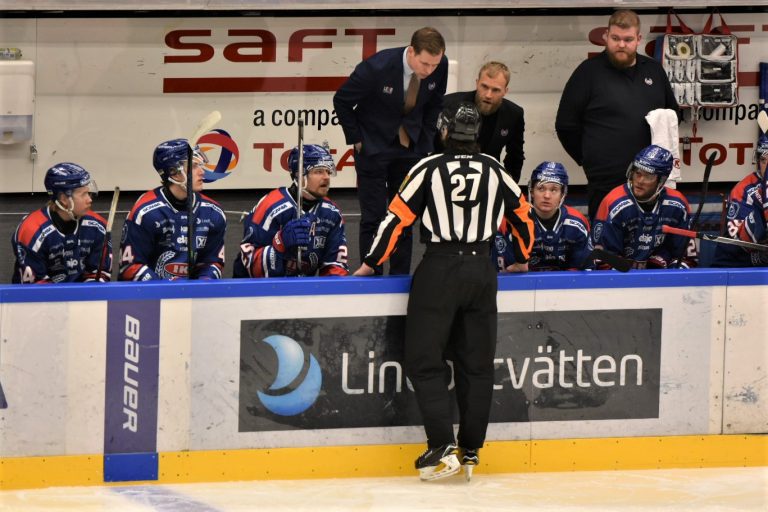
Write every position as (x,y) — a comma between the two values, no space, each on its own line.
(294,234)
(656,261)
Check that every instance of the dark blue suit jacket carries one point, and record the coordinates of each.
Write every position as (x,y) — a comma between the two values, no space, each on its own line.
(369,105)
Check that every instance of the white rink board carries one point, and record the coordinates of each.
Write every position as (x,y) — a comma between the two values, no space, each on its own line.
(100,97)
(52,357)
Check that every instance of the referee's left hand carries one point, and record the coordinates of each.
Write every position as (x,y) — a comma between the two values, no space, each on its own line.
(517,267)
(364,270)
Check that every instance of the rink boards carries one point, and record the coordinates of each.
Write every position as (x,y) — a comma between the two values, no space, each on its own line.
(303,378)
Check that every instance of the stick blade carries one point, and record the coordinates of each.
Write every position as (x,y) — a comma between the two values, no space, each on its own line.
(616,262)
(762,121)
(207,123)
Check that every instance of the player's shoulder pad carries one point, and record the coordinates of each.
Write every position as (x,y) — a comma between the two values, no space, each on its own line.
(674,197)
(146,199)
(31,225)
(573,212)
(328,204)
(208,199)
(95,216)
(210,204)
(608,206)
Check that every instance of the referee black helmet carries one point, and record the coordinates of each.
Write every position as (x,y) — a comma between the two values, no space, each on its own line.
(462,122)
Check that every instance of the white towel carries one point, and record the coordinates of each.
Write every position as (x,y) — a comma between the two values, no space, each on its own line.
(663,122)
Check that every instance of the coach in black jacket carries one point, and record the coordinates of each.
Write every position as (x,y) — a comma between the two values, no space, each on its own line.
(502,125)
(389,133)
(601,118)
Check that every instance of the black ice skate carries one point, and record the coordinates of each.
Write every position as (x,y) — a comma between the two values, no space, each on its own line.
(438,462)
(469,459)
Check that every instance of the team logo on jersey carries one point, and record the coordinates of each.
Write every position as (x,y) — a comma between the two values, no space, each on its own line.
(228,154)
(598,230)
(648,81)
(387,89)
(296,381)
(431,86)
(504,132)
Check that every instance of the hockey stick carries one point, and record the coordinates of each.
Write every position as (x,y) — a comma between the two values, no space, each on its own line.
(300,191)
(614,260)
(762,121)
(107,235)
(714,238)
(204,126)
(704,189)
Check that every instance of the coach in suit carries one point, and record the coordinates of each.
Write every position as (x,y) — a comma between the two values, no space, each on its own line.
(388,109)
(502,120)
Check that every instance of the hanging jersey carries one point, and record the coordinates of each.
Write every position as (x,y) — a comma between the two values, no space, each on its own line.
(46,255)
(460,198)
(325,255)
(565,246)
(624,228)
(154,241)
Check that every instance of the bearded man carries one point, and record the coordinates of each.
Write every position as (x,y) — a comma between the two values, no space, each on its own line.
(502,124)
(601,118)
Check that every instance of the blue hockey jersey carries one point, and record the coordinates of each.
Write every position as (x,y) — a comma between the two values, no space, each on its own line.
(623,227)
(46,255)
(154,241)
(566,246)
(325,255)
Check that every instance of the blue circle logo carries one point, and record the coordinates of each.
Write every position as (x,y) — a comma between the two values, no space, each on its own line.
(285,396)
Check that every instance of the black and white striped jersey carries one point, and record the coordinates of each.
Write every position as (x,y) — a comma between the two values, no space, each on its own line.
(460,198)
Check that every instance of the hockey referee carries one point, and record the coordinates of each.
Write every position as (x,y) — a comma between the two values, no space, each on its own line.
(461,196)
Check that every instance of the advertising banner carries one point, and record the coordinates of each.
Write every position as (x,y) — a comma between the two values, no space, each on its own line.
(319,373)
(120,86)
(130,407)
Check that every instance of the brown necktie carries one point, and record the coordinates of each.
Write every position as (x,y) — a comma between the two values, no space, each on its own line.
(410,102)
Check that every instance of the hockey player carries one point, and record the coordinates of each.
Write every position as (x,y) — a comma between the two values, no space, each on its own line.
(745,197)
(755,226)
(63,241)
(629,219)
(273,235)
(562,233)
(461,196)
(154,242)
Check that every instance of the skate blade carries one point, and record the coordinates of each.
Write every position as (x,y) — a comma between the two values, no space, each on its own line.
(449,465)
(468,471)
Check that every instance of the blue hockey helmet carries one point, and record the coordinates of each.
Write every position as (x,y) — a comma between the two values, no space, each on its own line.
(549,172)
(170,157)
(65,177)
(462,121)
(314,156)
(653,160)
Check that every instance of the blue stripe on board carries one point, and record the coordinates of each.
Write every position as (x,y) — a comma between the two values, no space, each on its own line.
(748,277)
(227,288)
(127,467)
(163,499)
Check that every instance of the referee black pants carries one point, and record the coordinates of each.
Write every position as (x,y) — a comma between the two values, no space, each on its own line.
(451,283)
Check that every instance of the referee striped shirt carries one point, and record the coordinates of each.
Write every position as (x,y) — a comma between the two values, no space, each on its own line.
(461,198)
